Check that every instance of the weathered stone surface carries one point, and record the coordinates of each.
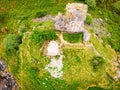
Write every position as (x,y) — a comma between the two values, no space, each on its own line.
(86,36)
(7,81)
(73,20)
(53,48)
(55,67)
(2,65)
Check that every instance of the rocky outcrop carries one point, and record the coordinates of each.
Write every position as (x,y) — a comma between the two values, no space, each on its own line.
(73,20)
(7,81)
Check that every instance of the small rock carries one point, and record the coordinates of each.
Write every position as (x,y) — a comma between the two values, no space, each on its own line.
(116,64)
(2,65)
(117,76)
(100,21)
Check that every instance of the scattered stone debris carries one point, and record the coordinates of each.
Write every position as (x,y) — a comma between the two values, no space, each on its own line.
(117,65)
(117,76)
(53,49)
(100,28)
(55,67)
(7,81)
(45,18)
(73,20)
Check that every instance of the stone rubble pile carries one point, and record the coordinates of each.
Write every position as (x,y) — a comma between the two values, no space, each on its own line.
(7,81)
(100,28)
(56,65)
(73,20)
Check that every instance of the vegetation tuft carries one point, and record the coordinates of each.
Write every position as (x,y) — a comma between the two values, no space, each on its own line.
(73,38)
(40,14)
(11,42)
(97,62)
(89,19)
(91,3)
(39,36)
(116,6)
(57,57)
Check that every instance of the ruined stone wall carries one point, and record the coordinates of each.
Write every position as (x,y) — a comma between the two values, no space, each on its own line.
(73,20)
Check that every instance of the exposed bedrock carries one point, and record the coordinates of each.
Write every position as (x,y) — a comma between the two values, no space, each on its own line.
(7,81)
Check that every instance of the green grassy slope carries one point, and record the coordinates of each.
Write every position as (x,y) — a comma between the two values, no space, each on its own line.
(27,64)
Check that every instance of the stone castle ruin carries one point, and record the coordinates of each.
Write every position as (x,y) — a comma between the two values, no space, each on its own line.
(73,20)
